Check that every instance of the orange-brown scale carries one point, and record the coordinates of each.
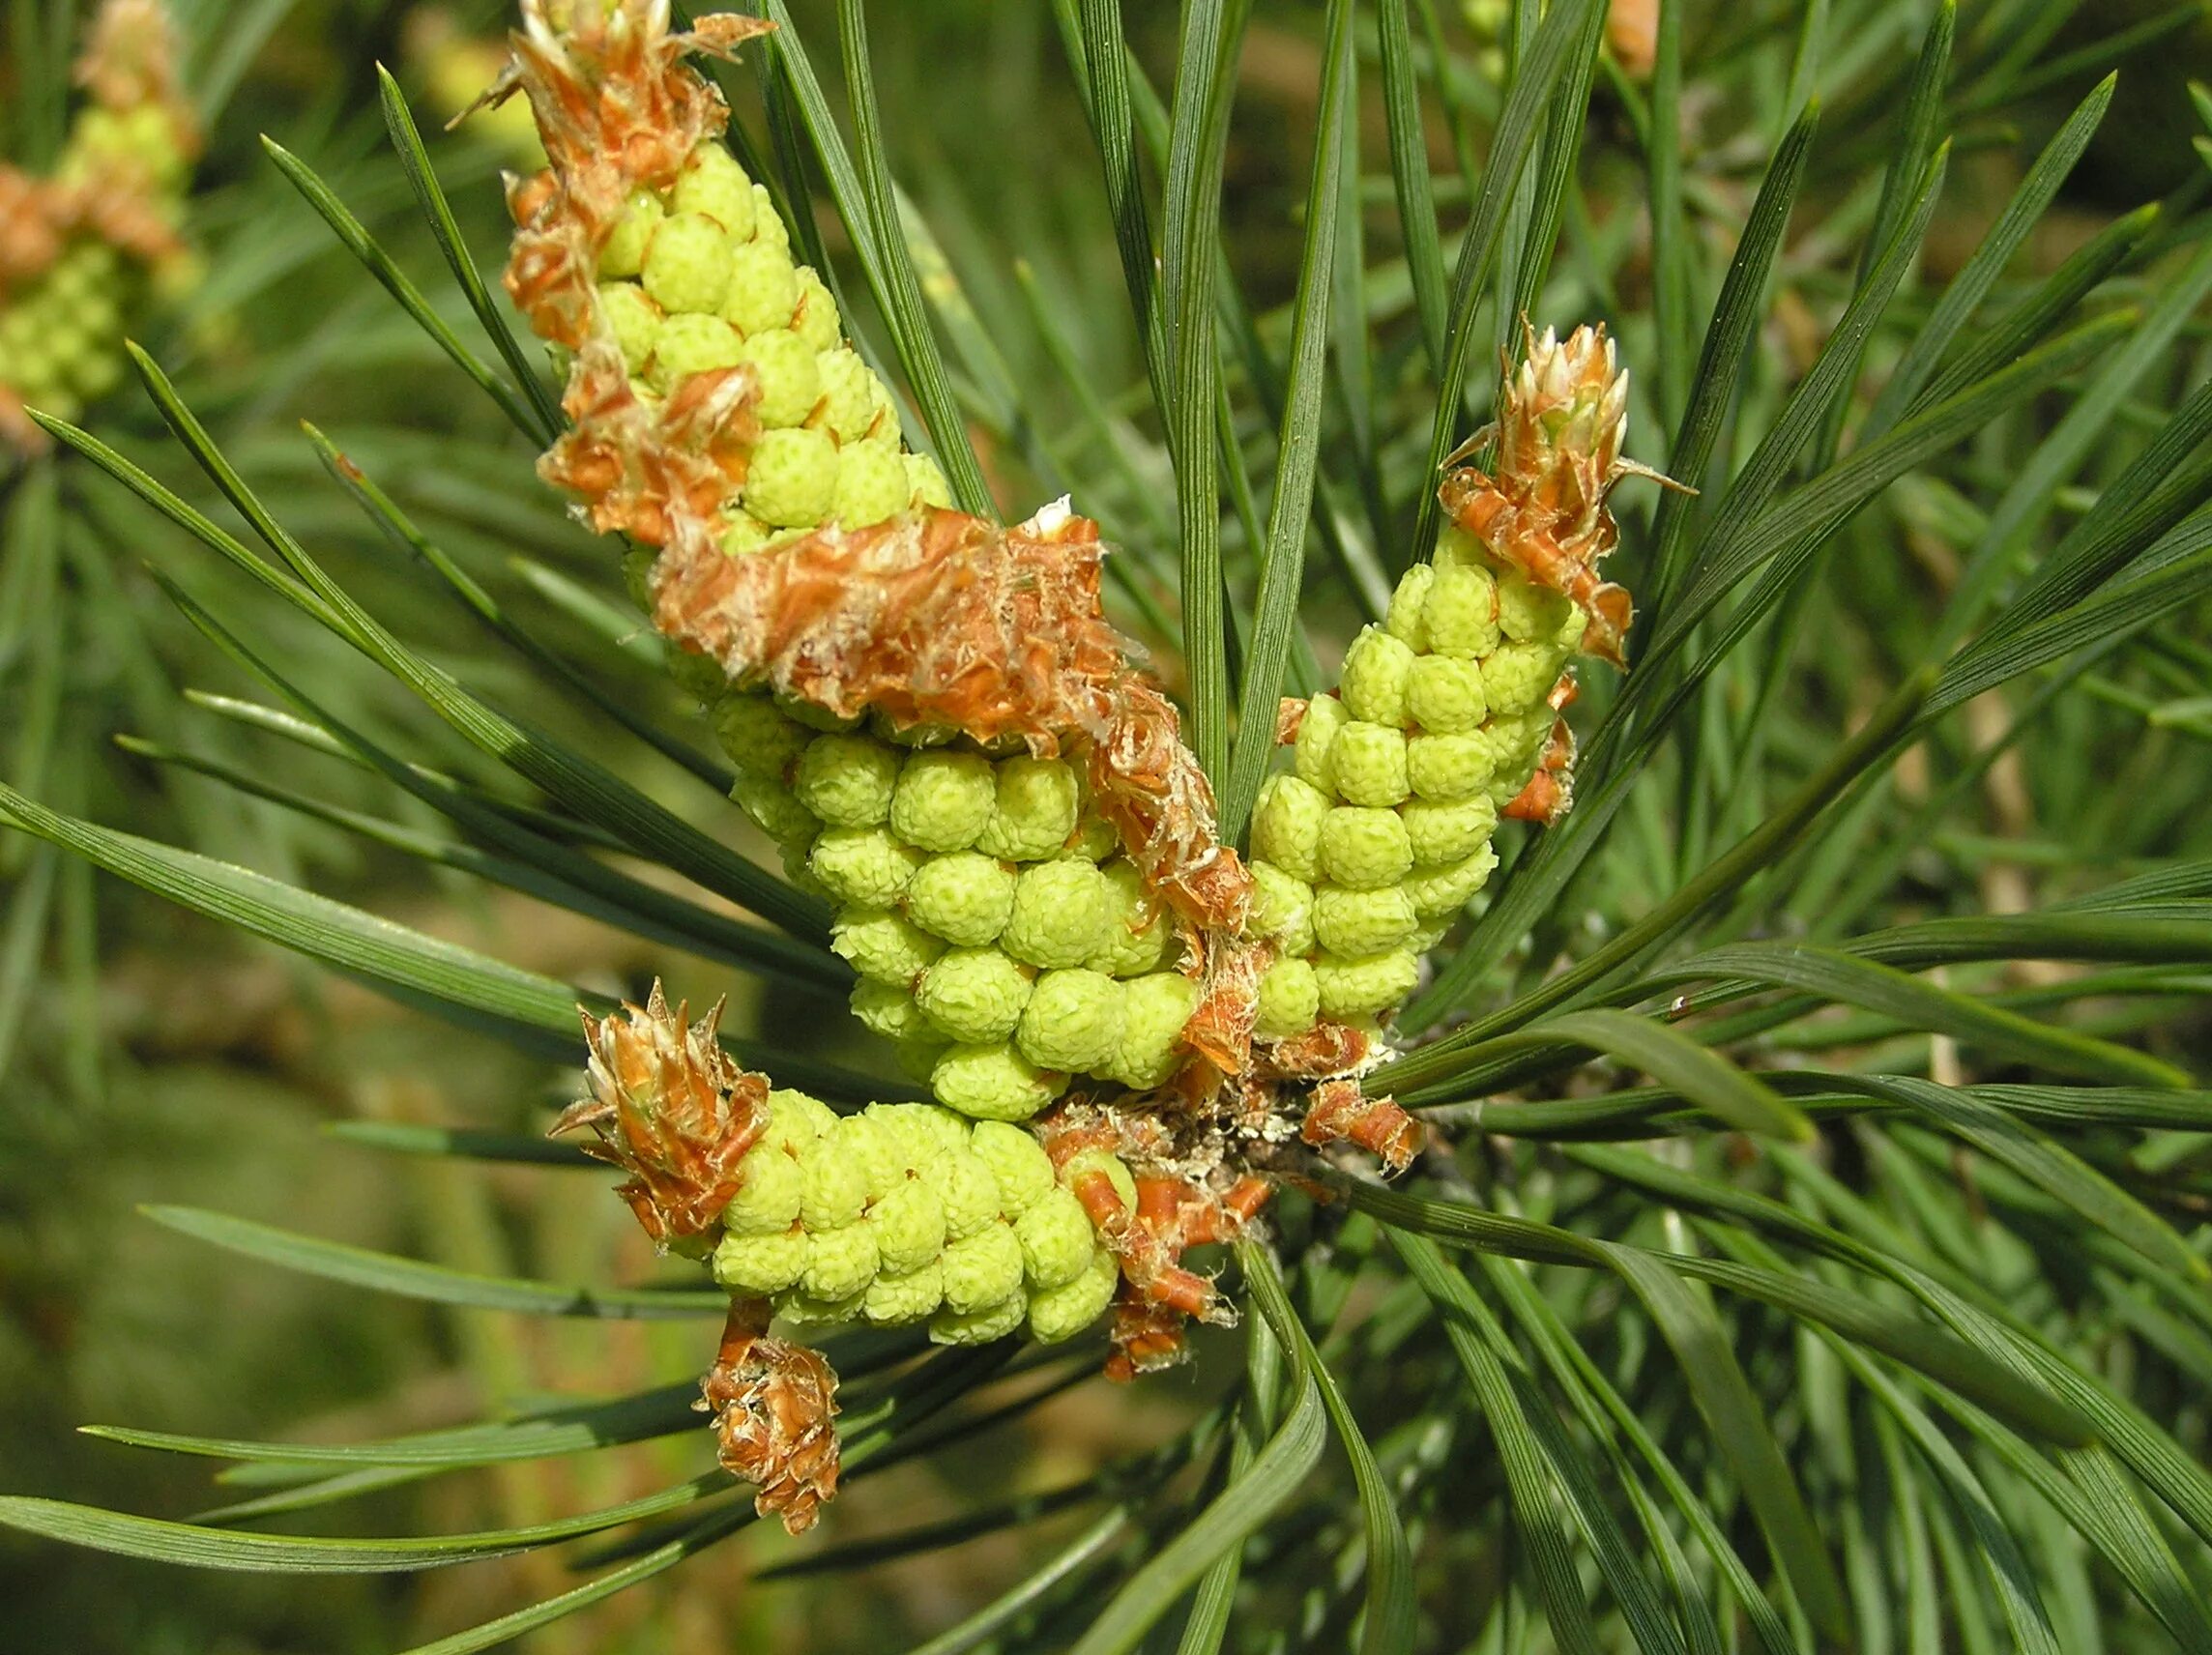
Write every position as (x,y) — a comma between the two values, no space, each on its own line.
(774,1404)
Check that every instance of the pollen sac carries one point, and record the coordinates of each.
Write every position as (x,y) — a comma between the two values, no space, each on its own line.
(788,383)
(1528,613)
(760,290)
(1368,762)
(1055,1238)
(773,808)
(909,1225)
(1289,1000)
(1446,695)
(795,1119)
(1061,914)
(975,995)
(982,1270)
(965,898)
(1071,1021)
(993,1082)
(864,867)
(1445,832)
(871,484)
(884,947)
(1286,824)
(758,738)
(847,779)
(1020,1170)
(840,1262)
(926,479)
(1440,892)
(1282,909)
(1150,1045)
(949,1326)
(685,344)
(1366,987)
(792,478)
(1360,923)
(1404,622)
(1461,613)
(1033,809)
(944,800)
(713,184)
(970,1186)
(633,319)
(896,1301)
(889,1011)
(1375,669)
(759,1265)
(1364,847)
(1517,677)
(814,317)
(849,401)
(1137,934)
(834,1184)
(1324,716)
(686,265)
(622,253)
(767,1201)
(1447,769)
(1065,1311)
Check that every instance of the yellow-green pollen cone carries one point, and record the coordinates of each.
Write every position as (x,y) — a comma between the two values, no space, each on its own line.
(909,1214)
(958,877)
(1371,843)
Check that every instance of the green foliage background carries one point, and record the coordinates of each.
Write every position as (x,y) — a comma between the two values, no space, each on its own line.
(1820,1262)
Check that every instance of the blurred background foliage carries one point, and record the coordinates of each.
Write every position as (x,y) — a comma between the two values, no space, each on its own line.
(150,1056)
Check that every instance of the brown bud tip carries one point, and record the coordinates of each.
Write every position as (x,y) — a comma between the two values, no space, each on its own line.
(672,1109)
(774,1406)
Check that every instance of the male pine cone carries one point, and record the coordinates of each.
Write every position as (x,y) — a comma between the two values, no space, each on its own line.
(1447,715)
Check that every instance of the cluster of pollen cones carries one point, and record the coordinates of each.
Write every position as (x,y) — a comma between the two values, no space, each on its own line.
(940,617)
(116,180)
